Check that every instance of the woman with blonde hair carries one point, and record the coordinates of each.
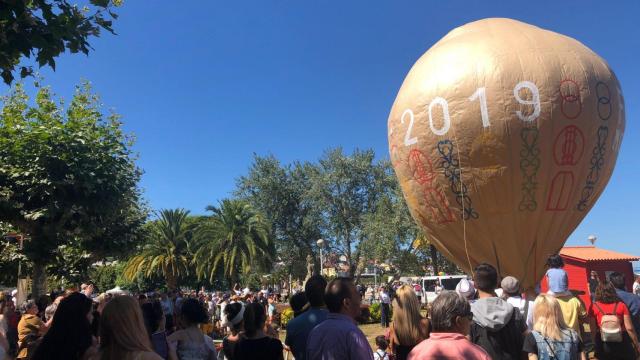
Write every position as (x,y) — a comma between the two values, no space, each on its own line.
(551,338)
(123,335)
(408,328)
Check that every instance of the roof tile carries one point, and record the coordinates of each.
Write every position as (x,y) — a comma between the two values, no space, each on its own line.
(592,253)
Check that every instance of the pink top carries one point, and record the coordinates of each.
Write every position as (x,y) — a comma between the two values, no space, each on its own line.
(441,346)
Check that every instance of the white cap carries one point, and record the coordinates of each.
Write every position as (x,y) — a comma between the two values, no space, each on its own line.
(466,288)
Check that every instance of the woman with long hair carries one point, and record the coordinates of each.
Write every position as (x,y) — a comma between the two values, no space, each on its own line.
(257,344)
(551,338)
(122,332)
(606,302)
(154,321)
(70,334)
(190,343)
(408,327)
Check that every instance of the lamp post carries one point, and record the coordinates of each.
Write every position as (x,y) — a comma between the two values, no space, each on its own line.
(320,243)
(592,239)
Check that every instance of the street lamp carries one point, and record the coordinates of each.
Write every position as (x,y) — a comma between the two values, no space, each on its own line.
(320,243)
(592,239)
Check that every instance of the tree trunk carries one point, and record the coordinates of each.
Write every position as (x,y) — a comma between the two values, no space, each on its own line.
(171,281)
(434,259)
(39,279)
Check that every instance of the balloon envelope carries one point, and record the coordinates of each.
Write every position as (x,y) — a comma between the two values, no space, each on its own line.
(502,136)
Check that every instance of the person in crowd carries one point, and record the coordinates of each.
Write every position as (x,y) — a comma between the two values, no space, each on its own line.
(12,318)
(122,332)
(271,308)
(154,322)
(190,343)
(632,301)
(573,310)
(6,310)
(235,315)
(497,326)
(50,311)
(30,329)
(262,299)
(512,292)
(594,280)
(451,319)
(298,329)
(467,290)
(70,334)
(256,344)
(222,304)
(382,345)
(607,303)
(551,338)
(385,302)
(167,308)
(4,347)
(4,324)
(299,304)
(556,276)
(369,294)
(338,337)
(636,287)
(408,328)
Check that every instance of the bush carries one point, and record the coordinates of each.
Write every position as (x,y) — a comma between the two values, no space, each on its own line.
(285,317)
(374,312)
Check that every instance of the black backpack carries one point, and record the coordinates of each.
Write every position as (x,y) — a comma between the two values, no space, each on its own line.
(505,344)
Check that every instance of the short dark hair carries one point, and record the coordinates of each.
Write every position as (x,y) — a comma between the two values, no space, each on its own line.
(485,277)
(254,318)
(297,302)
(152,314)
(337,290)
(382,342)
(555,261)
(617,279)
(445,308)
(314,289)
(193,311)
(606,293)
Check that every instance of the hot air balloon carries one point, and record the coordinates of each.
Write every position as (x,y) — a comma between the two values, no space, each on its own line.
(502,136)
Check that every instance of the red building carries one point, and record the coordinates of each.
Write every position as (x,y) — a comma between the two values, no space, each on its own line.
(579,261)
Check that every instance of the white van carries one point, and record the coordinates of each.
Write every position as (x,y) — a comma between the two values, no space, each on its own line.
(432,285)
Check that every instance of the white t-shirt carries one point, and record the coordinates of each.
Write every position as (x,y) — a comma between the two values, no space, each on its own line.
(519,303)
(636,288)
(384,298)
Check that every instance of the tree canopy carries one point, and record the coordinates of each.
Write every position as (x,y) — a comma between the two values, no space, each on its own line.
(46,28)
(67,175)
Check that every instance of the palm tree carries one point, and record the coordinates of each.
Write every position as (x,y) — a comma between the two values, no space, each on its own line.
(234,239)
(167,251)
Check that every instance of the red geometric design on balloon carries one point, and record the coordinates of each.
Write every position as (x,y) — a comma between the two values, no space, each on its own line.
(568,146)
(423,173)
(421,167)
(560,192)
(570,94)
(438,204)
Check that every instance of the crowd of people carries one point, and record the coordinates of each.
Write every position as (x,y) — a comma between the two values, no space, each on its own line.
(484,318)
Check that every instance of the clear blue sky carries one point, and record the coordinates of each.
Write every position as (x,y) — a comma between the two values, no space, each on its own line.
(205,85)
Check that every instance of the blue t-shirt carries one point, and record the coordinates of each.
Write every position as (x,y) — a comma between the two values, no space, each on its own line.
(298,330)
(558,280)
(633,303)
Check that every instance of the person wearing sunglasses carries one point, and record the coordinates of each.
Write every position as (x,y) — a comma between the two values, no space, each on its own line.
(451,319)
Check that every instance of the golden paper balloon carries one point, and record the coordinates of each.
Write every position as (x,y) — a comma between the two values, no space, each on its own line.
(503,135)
